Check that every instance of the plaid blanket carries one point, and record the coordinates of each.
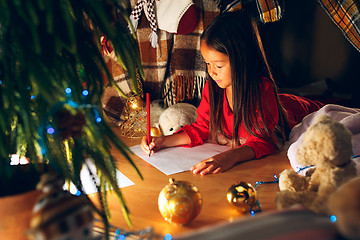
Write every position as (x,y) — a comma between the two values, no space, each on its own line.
(174,71)
(345,14)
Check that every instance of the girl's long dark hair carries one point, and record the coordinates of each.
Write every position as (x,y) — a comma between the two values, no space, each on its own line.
(236,35)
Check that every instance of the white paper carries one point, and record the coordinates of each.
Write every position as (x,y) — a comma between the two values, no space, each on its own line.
(88,183)
(179,159)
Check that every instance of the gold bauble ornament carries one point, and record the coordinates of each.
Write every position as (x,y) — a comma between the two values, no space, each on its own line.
(242,196)
(179,202)
(155,132)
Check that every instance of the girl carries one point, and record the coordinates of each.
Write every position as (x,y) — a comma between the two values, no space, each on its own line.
(240,105)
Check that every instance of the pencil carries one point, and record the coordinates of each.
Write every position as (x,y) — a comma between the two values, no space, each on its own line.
(148,119)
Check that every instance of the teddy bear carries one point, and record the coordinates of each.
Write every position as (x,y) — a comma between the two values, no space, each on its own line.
(344,204)
(327,146)
(171,119)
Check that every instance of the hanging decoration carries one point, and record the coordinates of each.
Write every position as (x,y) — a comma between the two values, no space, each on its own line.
(70,125)
(60,120)
(179,202)
(134,113)
(58,214)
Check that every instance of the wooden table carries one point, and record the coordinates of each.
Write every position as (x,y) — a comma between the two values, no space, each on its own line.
(142,198)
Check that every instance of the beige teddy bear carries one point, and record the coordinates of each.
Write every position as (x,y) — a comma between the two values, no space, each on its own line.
(327,145)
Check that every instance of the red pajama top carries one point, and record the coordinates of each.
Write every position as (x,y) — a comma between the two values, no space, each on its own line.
(296,109)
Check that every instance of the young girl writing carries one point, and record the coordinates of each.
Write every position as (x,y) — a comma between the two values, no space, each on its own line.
(240,105)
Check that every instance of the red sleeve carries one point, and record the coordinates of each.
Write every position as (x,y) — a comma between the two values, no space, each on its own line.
(260,146)
(199,130)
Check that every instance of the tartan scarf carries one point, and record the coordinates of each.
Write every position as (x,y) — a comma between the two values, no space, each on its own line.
(148,6)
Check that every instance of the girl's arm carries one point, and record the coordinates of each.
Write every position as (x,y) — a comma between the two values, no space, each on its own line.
(157,143)
(224,161)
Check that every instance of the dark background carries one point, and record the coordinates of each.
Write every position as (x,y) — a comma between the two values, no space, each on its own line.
(312,56)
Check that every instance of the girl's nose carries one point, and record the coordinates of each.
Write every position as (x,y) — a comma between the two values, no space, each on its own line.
(211,72)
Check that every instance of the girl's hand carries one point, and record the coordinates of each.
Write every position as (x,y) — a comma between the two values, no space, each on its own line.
(158,143)
(216,164)
(223,161)
(155,144)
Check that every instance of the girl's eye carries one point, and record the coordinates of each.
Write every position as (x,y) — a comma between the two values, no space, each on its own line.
(219,66)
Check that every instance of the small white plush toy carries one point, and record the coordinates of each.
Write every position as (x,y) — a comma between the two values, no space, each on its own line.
(175,117)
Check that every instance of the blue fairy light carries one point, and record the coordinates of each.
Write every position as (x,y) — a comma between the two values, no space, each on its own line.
(252,213)
(333,218)
(121,237)
(32,97)
(85,92)
(50,130)
(98,119)
(168,237)
(117,233)
(68,90)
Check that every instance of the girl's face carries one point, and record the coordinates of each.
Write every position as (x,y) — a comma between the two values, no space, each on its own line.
(218,65)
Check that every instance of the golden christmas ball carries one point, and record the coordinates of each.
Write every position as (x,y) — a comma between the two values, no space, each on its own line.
(155,132)
(179,202)
(242,196)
